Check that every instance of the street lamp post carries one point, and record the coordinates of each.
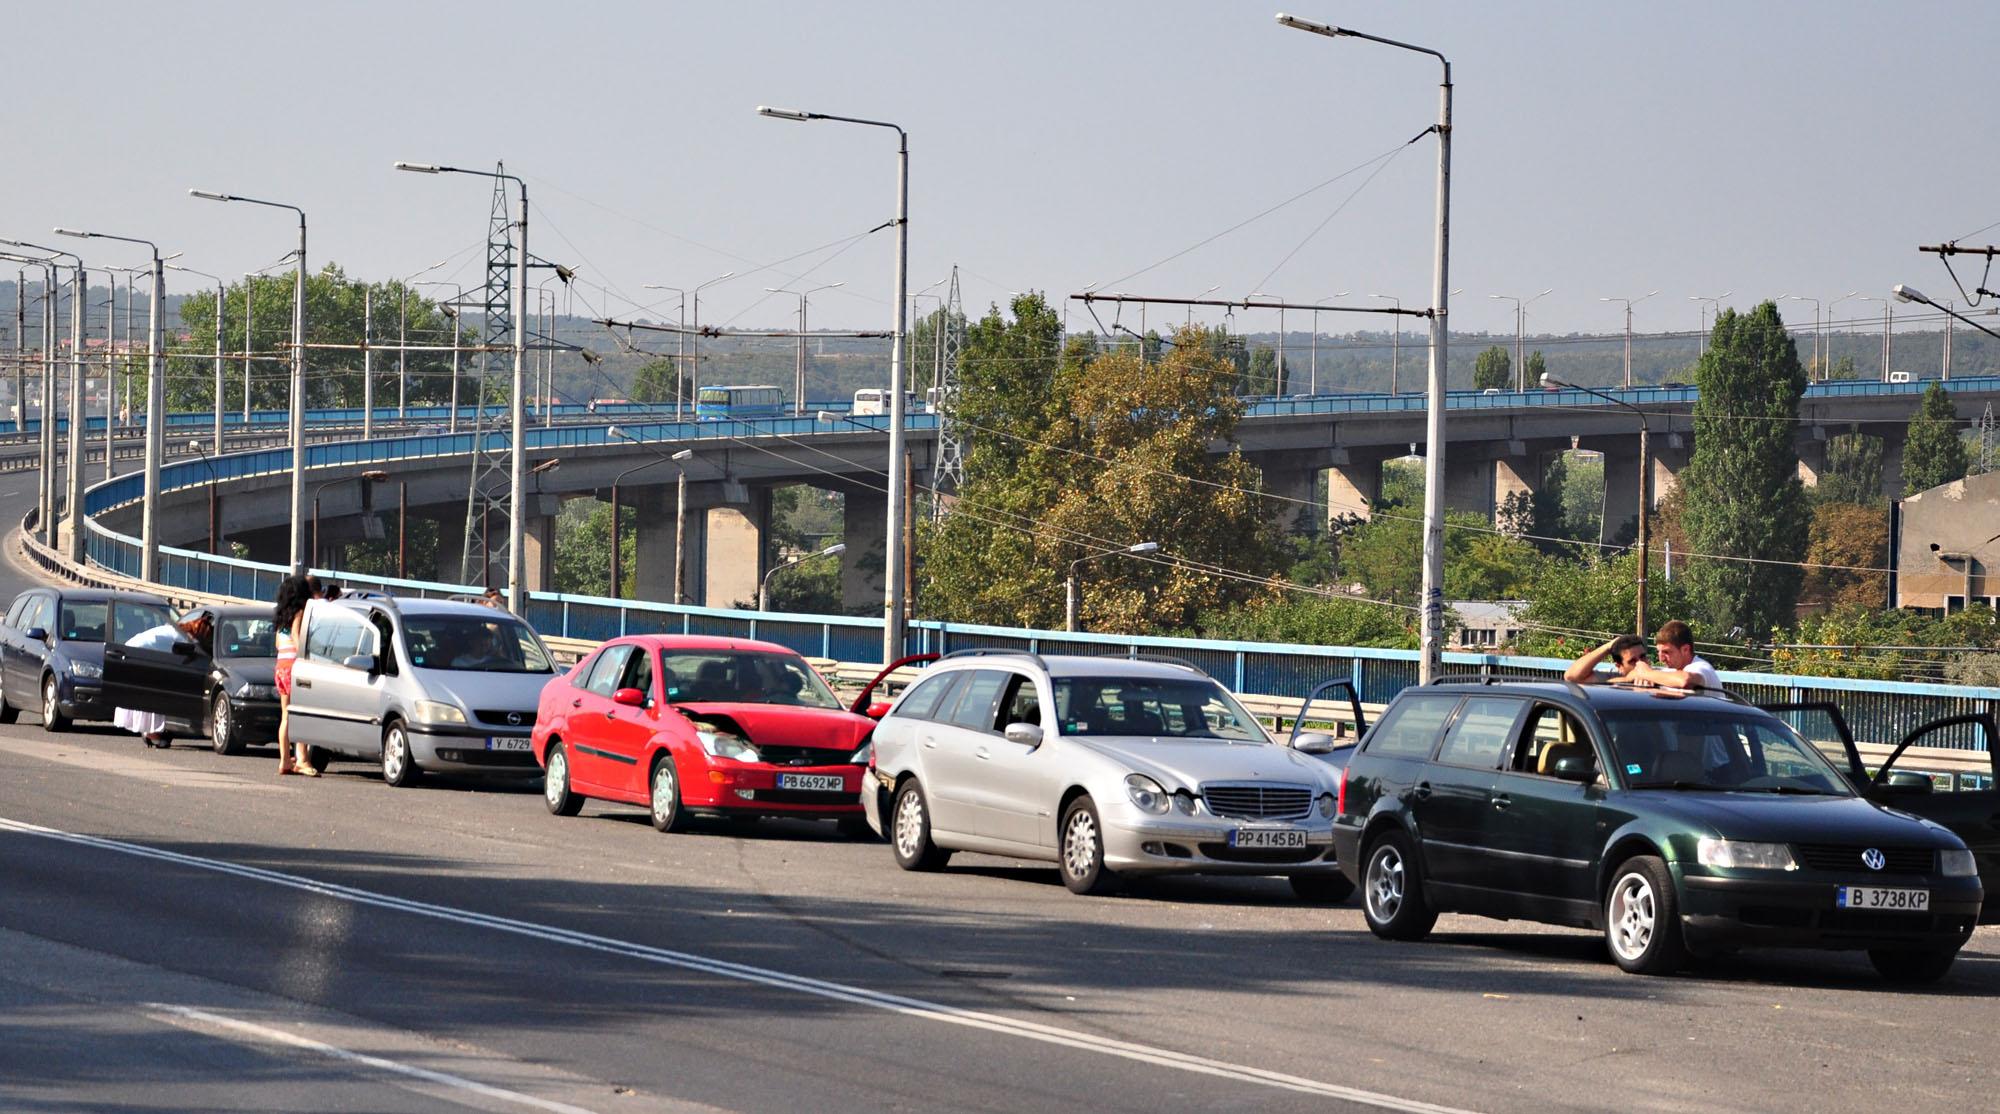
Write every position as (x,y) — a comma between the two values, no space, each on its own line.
(694,366)
(1396,345)
(79,292)
(1817,361)
(370,476)
(799,373)
(214,499)
(1520,325)
(1701,338)
(764,588)
(679,461)
(1279,370)
(455,312)
(1860,297)
(1073,588)
(894,588)
(45,490)
(1433,573)
(680,356)
(297,424)
(156,409)
(517,599)
(1645,476)
(220,294)
(1312,362)
(1629,303)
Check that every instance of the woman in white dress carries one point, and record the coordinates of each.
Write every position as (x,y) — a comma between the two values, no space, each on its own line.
(152,726)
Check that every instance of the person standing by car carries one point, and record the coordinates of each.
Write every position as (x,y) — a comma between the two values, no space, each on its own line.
(152,726)
(289,615)
(1680,667)
(1626,653)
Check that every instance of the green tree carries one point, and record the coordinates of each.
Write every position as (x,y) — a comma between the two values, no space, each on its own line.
(1574,605)
(1314,620)
(655,381)
(1933,453)
(1846,537)
(1262,376)
(1745,509)
(1853,471)
(1536,368)
(1385,556)
(1493,370)
(1842,368)
(583,548)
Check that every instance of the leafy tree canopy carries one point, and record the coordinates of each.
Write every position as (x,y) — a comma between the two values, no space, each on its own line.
(1933,452)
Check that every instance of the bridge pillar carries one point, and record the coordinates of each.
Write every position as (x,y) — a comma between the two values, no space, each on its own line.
(538,554)
(730,543)
(1294,501)
(864,529)
(1352,483)
(1671,452)
(1892,458)
(1621,494)
(1469,482)
(653,511)
(1812,454)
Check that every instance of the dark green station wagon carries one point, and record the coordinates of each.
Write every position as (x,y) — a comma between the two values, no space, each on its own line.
(1673,823)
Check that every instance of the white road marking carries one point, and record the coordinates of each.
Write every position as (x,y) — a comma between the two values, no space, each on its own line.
(840,992)
(279,1036)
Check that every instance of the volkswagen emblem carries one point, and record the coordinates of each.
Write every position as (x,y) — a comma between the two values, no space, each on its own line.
(514,720)
(1872,859)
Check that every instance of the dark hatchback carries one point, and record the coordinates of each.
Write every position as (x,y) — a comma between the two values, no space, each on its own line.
(225,691)
(1673,824)
(52,650)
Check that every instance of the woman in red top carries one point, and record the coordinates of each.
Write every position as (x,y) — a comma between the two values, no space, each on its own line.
(290,616)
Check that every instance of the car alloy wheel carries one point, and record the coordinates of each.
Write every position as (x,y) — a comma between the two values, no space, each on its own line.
(910,830)
(222,726)
(1392,890)
(556,791)
(1633,918)
(1082,865)
(1385,882)
(668,815)
(399,767)
(52,717)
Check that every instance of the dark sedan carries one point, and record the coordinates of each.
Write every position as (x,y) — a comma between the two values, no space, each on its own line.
(52,650)
(1673,824)
(225,691)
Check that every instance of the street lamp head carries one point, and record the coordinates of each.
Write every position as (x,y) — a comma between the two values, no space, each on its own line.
(1143,547)
(375,475)
(549,465)
(1907,293)
(614,431)
(210,195)
(684,454)
(830,416)
(1551,381)
(1317,28)
(75,233)
(834,549)
(589,357)
(195,446)
(783,113)
(420,168)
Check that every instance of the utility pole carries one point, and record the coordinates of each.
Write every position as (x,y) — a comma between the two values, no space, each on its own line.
(403,356)
(367,364)
(1629,303)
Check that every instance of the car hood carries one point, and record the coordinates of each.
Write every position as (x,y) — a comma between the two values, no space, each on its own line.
(251,671)
(1189,763)
(473,690)
(1788,819)
(92,652)
(789,724)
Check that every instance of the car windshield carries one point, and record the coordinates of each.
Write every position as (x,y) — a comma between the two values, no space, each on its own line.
(1168,707)
(83,620)
(742,677)
(475,644)
(246,638)
(1731,751)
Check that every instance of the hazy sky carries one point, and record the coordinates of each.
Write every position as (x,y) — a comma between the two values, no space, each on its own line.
(1600,149)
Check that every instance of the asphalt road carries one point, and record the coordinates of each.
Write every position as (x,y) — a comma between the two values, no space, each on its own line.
(183,931)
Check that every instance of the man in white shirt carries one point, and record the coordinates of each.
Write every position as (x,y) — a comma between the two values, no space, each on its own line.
(1680,667)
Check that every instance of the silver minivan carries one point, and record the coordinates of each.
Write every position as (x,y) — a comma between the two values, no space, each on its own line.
(419,685)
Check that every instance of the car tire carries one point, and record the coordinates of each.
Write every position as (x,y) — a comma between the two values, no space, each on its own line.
(1080,850)
(52,716)
(1912,967)
(399,764)
(222,726)
(856,828)
(910,831)
(8,712)
(1642,918)
(1392,890)
(556,791)
(1322,889)
(664,801)
(319,758)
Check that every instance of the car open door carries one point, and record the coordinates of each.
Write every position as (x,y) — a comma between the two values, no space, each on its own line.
(171,679)
(1967,803)
(1823,726)
(1337,701)
(865,700)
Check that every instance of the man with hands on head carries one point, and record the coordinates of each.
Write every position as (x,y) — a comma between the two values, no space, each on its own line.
(1626,653)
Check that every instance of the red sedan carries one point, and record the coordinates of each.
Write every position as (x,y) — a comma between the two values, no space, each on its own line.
(698,726)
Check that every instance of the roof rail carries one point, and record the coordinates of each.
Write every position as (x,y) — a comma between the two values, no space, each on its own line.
(1496,679)
(1169,659)
(997,652)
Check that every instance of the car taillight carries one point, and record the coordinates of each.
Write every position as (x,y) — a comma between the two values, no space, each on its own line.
(1340,798)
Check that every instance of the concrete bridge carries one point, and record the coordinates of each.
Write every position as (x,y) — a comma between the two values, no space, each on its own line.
(1310,449)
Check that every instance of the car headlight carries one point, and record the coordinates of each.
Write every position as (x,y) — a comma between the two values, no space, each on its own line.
(722,744)
(437,711)
(85,669)
(1735,854)
(1326,806)
(1147,794)
(1184,802)
(248,691)
(863,754)
(1957,862)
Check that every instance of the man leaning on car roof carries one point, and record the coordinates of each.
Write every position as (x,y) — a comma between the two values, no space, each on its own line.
(1683,668)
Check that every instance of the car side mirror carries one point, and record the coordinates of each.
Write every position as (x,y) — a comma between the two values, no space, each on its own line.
(630,698)
(1024,734)
(364,663)
(1315,742)
(1905,782)
(38,634)
(1574,769)
(879,709)
(185,648)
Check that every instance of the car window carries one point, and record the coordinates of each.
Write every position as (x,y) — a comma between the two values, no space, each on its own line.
(977,699)
(37,614)
(385,639)
(247,638)
(609,668)
(1719,750)
(921,702)
(129,620)
(82,620)
(1481,733)
(14,612)
(1188,706)
(1411,728)
(743,677)
(490,643)
(1021,704)
(333,634)
(1549,734)
(639,673)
